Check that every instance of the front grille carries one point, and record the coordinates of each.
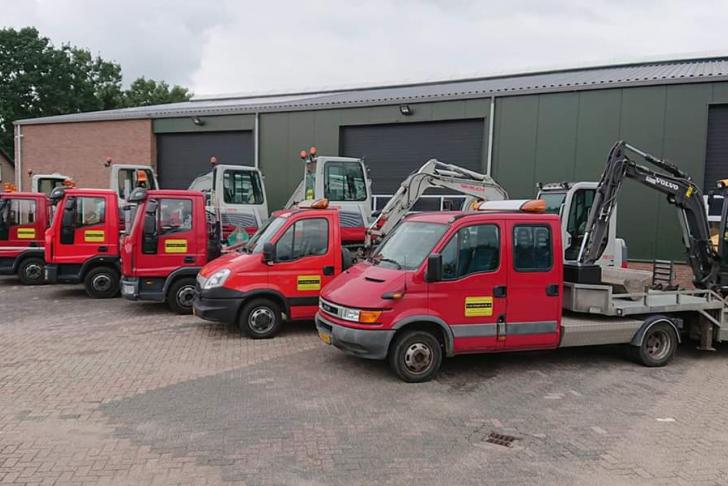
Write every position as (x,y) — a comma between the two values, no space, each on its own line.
(329,308)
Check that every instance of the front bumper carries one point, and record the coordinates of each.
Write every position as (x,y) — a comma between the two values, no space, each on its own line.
(151,289)
(218,305)
(62,273)
(51,273)
(365,343)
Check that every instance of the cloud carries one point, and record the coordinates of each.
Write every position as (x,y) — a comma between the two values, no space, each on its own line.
(229,46)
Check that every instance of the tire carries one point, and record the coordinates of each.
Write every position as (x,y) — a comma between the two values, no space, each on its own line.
(180,295)
(659,344)
(415,356)
(102,283)
(32,271)
(260,319)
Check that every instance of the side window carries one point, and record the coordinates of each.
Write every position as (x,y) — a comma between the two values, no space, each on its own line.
(473,249)
(242,187)
(90,211)
(306,237)
(344,181)
(21,211)
(175,216)
(532,248)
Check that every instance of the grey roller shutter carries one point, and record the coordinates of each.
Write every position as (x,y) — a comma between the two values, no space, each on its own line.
(716,156)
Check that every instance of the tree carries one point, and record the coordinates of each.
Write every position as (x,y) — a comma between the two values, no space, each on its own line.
(38,79)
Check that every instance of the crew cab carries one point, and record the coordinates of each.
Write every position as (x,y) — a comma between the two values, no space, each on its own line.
(444,284)
(278,274)
(24,217)
(82,243)
(169,242)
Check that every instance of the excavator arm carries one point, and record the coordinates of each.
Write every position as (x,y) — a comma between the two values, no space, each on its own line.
(680,191)
(433,174)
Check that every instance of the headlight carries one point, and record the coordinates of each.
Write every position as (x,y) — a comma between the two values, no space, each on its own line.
(360,316)
(350,315)
(216,279)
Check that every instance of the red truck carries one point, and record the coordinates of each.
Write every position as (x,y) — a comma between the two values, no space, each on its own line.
(82,243)
(278,274)
(169,242)
(24,217)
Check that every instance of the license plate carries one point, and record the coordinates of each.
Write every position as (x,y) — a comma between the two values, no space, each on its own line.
(325,337)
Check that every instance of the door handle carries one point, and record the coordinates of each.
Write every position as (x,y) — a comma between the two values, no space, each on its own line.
(103,249)
(189,259)
(329,270)
(552,290)
(501,328)
(500,291)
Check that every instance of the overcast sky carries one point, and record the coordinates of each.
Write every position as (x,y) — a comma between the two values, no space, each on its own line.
(229,46)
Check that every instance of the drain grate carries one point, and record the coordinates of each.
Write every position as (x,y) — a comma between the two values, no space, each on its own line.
(501,439)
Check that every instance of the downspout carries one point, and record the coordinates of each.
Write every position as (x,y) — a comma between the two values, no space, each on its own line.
(19,157)
(256,142)
(491,130)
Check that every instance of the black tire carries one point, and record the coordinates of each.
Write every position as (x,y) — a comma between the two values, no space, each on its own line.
(32,271)
(102,283)
(180,295)
(415,356)
(260,319)
(659,344)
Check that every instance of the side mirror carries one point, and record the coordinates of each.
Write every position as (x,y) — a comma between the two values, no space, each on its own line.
(269,252)
(68,223)
(434,268)
(150,233)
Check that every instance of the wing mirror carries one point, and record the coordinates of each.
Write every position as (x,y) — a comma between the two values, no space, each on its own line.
(434,268)
(269,252)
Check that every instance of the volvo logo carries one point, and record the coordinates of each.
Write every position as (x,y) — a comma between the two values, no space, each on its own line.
(659,181)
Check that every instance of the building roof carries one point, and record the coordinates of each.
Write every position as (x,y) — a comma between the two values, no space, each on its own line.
(595,77)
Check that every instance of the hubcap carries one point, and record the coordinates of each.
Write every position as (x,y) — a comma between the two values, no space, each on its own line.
(418,357)
(261,319)
(657,345)
(101,283)
(185,296)
(33,271)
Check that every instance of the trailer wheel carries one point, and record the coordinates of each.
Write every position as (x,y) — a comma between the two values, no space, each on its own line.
(180,296)
(658,346)
(415,356)
(102,283)
(260,319)
(31,271)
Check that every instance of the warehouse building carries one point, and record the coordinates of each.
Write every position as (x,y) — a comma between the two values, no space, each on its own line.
(522,129)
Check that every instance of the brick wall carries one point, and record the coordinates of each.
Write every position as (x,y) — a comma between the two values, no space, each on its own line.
(79,150)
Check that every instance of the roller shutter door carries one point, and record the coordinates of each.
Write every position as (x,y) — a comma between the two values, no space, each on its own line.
(393,151)
(181,157)
(716,156)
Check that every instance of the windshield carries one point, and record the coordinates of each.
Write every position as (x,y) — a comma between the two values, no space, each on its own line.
(344,181)
(554,200)
(264,234)
(409,244)
(242,187)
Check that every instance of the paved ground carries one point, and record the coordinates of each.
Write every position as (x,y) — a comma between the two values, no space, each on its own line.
(126,393)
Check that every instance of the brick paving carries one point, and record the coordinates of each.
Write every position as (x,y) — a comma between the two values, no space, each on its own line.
(116,392)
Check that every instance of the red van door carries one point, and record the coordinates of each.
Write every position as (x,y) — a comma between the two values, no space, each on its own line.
(84,231)
(471,298)
(534,286)
(23,225)
(305,262)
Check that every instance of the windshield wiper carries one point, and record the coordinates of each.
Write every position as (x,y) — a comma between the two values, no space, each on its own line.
(389,260)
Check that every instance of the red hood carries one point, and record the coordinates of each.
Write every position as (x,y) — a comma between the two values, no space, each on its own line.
(362,286)
(236,262)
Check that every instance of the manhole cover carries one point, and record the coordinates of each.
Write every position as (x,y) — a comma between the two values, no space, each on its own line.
(501,439)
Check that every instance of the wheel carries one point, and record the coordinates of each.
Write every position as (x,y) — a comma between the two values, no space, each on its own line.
(415,356)
(31,271)
(102,283)
(658,344)
(180,295)
(260,319)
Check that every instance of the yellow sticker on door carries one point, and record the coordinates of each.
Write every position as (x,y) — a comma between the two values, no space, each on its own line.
(26,233)
(308,282)
(175,246)
(94,236)
(478,306)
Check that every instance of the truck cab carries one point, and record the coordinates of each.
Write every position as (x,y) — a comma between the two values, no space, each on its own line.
(24,217)
(82,243)
(169,242)
(277,275)
(449,284)
(45,183)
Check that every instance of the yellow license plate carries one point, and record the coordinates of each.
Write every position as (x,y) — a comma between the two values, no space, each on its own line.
(325,337)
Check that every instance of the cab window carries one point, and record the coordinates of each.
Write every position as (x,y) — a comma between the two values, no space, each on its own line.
(532,248)
(306,237)
(90,211)
(129,179)
(175,216)
(20,212)
(471,250)
(242,187)
(581,204)
(344,181)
